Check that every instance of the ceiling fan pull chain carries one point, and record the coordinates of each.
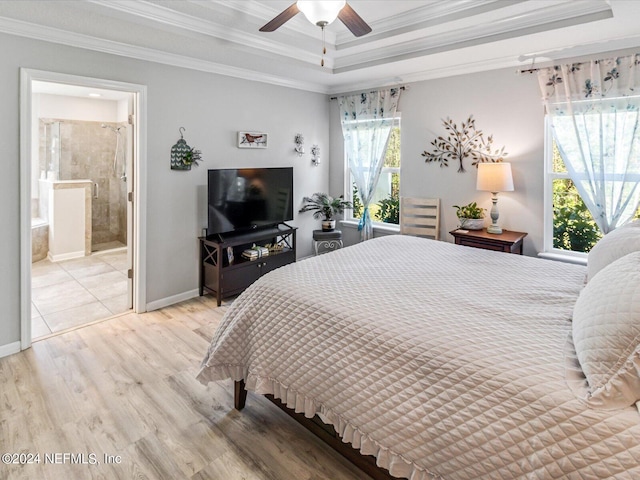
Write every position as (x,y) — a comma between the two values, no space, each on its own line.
(324,48)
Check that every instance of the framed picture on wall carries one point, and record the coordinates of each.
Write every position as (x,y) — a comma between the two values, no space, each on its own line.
(252,140)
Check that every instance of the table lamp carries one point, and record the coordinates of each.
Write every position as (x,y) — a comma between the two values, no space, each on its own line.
(494,178)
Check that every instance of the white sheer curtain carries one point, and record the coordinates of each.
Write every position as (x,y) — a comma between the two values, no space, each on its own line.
(367,120)
(594,110)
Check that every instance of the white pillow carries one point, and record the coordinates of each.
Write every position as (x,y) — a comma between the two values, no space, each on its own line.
(606,334)
(613,245)
(634,223)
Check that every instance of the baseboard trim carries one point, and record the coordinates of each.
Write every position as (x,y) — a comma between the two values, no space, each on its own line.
(65,256)
(9,349)
(165,302)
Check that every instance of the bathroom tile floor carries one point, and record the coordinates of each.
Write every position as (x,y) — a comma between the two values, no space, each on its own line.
(71,293)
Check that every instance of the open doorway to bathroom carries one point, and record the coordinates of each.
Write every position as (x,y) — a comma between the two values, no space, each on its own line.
(82,166)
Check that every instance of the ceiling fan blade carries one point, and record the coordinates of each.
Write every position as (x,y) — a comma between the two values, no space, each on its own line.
(281,19)
(353,21)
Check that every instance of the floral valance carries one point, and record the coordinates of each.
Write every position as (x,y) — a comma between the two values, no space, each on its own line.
(369,105)
(578,86)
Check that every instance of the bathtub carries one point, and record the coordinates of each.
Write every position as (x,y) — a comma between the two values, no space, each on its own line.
(39,239)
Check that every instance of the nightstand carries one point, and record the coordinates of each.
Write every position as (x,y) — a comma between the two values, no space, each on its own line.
(324,242)
(508,241)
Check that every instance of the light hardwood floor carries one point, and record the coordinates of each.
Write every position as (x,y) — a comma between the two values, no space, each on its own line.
(126,387)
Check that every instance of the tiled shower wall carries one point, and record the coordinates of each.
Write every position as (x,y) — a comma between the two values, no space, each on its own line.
(87,152)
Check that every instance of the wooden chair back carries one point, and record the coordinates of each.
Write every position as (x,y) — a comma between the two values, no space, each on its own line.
(420,217)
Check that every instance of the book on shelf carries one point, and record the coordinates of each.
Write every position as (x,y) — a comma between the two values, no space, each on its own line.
(255,252)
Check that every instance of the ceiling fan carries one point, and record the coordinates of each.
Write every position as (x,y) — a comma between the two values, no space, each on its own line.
(321,13)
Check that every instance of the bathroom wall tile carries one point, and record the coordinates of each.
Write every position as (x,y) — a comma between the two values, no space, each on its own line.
(88,153)
(39,242)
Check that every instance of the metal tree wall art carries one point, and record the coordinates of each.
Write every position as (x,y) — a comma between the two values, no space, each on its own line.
(463,143)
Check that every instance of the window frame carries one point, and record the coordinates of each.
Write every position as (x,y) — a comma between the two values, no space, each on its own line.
(348,183)
(549,177)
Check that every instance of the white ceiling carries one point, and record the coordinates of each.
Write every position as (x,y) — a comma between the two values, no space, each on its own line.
(411,39)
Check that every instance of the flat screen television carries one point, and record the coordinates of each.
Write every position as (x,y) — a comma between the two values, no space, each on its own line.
(242,199)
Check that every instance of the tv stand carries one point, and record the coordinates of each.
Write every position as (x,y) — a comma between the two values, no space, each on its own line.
(225,272)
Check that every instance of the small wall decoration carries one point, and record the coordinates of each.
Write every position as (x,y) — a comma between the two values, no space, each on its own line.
(315,155)
(463,143)
(252,140)
(183,156)
(299,141)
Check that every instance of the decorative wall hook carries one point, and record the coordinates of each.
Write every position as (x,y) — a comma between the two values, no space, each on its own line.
(182,155)
(299,140)
(315,155)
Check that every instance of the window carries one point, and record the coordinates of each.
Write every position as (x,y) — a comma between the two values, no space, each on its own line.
(385,205)
(569,226)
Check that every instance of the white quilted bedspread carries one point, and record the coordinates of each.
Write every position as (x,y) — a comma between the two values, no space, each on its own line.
(442,361)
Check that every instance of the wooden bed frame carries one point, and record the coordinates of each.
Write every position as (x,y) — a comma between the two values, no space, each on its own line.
(366,463)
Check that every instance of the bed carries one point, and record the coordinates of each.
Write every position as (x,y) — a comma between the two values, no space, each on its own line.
(445,361)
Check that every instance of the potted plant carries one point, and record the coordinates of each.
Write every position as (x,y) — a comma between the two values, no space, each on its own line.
(326,206)
(471,216)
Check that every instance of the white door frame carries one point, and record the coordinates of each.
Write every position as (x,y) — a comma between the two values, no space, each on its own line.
(27,76)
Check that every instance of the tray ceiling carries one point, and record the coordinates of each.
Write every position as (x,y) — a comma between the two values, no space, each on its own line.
(411,40)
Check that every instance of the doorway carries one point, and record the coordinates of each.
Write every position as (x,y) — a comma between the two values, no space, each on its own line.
(82,164)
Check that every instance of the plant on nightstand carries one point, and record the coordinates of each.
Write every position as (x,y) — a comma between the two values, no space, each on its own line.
(323,205)
(471,216)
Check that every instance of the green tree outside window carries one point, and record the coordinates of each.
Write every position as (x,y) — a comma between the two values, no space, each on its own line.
(573,226)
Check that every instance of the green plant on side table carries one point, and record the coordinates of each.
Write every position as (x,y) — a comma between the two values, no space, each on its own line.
(325,206)
(471,216)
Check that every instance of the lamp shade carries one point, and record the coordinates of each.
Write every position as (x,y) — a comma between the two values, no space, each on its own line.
(321,12)
(495,177)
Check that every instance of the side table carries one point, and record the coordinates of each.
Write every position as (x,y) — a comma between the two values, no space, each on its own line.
(324,242)
(508,241)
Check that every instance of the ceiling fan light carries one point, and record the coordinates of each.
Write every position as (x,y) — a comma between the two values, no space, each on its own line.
(321,12)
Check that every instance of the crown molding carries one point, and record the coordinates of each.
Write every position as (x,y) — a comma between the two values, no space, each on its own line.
(63,37)
(526,24)
(431,74)
(611,47)
(605,49)
(422,17)
(166,16)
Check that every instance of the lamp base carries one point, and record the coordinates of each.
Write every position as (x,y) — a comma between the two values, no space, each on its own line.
(494,229)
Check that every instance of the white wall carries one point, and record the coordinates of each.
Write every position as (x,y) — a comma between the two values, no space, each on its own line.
(123,110)
(504,105)
(77,108)
(212,108)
